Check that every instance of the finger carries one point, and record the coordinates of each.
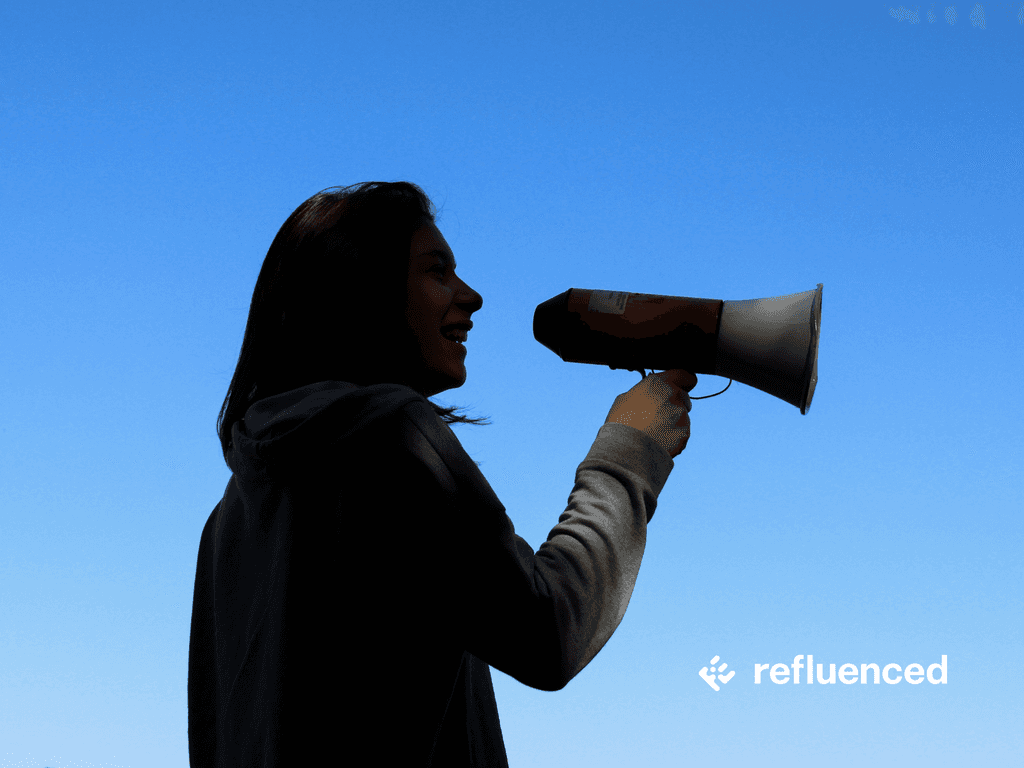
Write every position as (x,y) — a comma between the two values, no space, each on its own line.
(681,378)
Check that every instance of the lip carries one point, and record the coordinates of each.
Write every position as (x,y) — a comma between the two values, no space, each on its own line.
(459,344)
(465,325)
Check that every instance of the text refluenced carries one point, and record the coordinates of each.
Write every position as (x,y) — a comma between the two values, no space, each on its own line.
(872,673)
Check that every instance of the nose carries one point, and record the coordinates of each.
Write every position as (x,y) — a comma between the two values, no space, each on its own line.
(468,299)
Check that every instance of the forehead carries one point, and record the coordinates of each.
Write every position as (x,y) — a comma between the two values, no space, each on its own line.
(428,242)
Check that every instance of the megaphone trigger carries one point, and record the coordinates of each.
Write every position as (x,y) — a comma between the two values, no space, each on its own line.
(643,374)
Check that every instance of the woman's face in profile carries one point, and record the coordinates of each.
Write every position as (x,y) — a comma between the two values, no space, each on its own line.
(437,300)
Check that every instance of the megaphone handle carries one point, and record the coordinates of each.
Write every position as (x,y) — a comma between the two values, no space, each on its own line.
(643,375)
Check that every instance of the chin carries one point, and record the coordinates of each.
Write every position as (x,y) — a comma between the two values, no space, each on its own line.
(445,381)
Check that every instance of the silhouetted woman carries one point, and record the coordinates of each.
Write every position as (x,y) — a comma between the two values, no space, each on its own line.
(359,575)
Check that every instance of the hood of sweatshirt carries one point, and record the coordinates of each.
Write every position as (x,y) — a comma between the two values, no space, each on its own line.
(287,427)
(297,438)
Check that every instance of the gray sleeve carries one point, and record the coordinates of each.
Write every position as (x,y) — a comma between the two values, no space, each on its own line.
(538,616)
(648,464)
(590,561)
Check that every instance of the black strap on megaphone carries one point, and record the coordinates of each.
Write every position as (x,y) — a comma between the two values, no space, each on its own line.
(643,375)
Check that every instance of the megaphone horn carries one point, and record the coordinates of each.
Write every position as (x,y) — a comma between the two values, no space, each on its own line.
(770,344)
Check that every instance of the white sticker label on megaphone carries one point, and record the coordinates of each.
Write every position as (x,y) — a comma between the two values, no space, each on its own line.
(609,302)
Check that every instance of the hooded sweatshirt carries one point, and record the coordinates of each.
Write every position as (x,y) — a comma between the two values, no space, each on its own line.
(359,577)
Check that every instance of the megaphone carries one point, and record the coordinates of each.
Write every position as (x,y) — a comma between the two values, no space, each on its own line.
(769,344)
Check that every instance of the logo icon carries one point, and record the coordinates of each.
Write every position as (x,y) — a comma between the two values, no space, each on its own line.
(710,678)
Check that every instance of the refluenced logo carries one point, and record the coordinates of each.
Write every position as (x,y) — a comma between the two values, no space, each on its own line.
(781,673)
(709,677)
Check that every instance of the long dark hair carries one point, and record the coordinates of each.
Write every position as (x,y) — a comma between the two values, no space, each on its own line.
(325,270)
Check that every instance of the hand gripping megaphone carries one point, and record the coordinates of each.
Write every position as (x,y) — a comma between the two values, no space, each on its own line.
(769,344)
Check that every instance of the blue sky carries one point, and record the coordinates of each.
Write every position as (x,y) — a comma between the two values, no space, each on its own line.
(148,155)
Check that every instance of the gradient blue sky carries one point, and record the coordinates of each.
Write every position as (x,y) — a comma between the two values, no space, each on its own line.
(149,153)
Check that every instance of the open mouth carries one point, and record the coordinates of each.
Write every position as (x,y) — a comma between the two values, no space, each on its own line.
(457,335)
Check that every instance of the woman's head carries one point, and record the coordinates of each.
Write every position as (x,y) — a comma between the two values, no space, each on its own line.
(347,293)
(438,306)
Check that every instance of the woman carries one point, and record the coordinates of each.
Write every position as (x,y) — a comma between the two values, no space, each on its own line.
(359,576)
